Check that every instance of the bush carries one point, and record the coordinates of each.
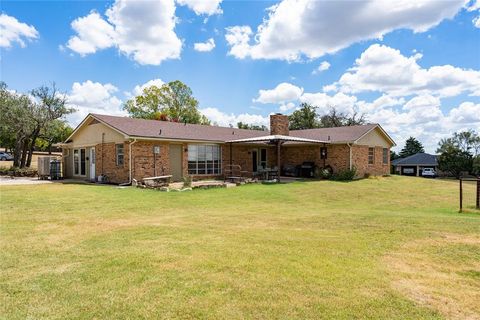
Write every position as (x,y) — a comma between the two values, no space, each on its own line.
(324,173)
(345,175)
(187,181)
(17,172)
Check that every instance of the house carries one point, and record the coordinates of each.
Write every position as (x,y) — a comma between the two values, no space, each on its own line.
(124,148)
(413,165)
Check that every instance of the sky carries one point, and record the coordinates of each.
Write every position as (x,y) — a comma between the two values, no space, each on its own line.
(411,66)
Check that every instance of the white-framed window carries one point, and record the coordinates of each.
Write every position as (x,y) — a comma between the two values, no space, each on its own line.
(385,155)
(79,162)
(119,154)
(371,155)
(204,159)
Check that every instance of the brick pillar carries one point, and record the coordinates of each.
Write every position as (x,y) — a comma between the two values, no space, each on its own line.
(279,124)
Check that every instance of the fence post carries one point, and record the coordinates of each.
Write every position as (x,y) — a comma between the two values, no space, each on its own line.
(461,195)
(478,194)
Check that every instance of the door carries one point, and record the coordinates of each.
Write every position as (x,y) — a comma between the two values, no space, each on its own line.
(176,162)
(254,161)
(92,163)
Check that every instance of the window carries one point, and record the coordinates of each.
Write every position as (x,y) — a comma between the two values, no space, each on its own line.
(263,158)
(371,155)
(119,154)
(79,163)
(385,156)
(204,159)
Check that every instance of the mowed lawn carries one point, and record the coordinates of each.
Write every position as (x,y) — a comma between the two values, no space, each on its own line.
(393,248)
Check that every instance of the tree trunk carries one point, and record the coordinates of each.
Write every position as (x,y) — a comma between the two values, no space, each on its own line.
(32,146)
(17,151)
(24,153)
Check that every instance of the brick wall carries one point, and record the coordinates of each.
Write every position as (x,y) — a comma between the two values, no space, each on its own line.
(242,155)
(106,162)
(337,156)
(360,161)
(145,163)
(279,124)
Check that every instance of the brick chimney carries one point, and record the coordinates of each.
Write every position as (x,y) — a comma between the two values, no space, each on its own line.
(279,124)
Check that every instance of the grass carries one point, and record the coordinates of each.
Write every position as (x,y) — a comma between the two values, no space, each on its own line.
(393,248)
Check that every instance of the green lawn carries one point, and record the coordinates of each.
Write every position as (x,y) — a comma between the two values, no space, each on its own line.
(376,248)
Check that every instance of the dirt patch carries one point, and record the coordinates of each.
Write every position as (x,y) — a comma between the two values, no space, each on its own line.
(440,273)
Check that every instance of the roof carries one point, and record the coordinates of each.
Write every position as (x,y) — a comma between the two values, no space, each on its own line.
(154,129)
(276,137)
(418,159)
(338,134)
(174,130)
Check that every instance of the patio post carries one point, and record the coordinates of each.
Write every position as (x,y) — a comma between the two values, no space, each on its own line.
(230,154)
(278,159)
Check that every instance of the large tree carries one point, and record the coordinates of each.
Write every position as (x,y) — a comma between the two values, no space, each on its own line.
(459,153)
(243,125)
(54,132)
(304,118)
(172,101)
(335,118)
(412,146)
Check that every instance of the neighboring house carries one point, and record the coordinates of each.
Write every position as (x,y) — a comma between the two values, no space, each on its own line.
(413,165)
(124,148)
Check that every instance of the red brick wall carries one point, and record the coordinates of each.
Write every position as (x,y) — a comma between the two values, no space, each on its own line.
(360,161)
(106,162)
(145,163)
(337,156)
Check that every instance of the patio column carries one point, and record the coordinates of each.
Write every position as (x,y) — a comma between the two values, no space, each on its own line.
(278,159)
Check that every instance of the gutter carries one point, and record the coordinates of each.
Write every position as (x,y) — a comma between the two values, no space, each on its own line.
(350,155)
(130,161)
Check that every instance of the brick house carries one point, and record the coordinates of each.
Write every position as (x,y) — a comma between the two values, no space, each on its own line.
(124,148)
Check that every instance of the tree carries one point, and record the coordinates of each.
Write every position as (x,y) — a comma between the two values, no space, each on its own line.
(335,118)
(393,155)
(172,101)
(304,118)
(241,125)
(412,146)
(459,153)
(56,131)
(476,165)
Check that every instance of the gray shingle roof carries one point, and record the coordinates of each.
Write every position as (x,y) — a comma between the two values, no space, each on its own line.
(418,159)
(179,131)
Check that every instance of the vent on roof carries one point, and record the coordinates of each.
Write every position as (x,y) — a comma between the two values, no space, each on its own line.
(328,138)
(160,132)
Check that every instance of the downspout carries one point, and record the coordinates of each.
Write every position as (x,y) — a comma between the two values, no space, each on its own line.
(130,161)
(350,155)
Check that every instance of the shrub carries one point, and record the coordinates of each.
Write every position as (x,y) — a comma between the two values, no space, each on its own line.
(324,173)
(187,181)
(345,175)
(17,172)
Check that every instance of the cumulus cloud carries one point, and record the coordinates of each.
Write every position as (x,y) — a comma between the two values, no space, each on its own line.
(301,27)
(324,65)
(224,119)
(203,7)
(282,93)
(14,31)
(138,90)
(93,97)
(384,69)
(93,33)
(205,46)
(140,29)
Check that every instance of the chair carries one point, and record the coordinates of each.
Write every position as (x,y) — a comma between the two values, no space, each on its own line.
(233,173)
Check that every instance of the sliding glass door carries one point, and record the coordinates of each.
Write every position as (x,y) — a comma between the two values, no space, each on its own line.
(79,162)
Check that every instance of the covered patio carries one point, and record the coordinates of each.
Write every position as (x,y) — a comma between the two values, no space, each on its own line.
(277,141)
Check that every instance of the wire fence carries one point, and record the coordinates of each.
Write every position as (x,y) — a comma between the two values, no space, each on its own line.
(469,190)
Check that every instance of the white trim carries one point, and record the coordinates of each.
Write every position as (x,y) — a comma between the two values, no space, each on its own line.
(130,177)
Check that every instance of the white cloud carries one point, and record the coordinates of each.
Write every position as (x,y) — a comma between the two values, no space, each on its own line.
(476,22)
(141,29)
(205,46)
(287,106)
(324,102)
(223,119)
(467,113)
(324,65)
(12,30)
(206,7)
(384,69)
(138,90)
(93,97)
(282,93)
(301,27)
(93,33)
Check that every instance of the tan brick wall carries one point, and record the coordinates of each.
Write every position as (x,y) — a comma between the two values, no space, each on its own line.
(279,124)
(106,162)
(360,161)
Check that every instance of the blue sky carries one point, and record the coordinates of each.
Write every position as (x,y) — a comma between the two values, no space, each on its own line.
(415,69)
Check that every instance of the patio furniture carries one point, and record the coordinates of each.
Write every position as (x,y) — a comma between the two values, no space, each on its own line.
(234,173)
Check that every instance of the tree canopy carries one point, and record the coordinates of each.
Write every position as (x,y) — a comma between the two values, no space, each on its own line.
(460,153)
(412,146)
(242,125)
(306,117)
(172,101)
